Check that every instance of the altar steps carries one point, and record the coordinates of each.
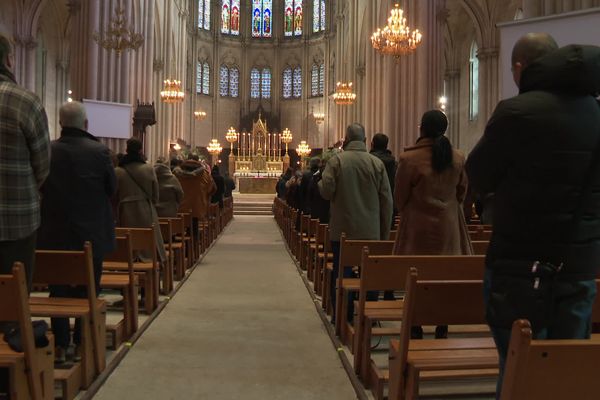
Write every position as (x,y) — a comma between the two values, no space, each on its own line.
(252,204)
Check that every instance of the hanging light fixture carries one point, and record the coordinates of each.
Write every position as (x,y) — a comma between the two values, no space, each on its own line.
(303,149)
(117,36)
(396,38)
(231,136)
(172,92)
(214,147)
(200,115)
(343,94)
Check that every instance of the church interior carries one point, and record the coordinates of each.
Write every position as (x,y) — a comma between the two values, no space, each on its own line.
(256,87)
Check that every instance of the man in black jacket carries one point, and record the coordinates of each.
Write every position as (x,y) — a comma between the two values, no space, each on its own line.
(535,155)
(379,148)
(76,206)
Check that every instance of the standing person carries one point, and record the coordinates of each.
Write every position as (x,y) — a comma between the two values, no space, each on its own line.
(356,184)
(170,192)
(280,188)
(217,196)
(198,187)
(379,148)
(305,183)
(319,207)
(76,207)
(538,156)
(431,185)
(229,185)
(137,193)
(24,165)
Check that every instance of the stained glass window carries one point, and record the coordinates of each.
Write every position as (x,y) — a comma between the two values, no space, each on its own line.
(234,81)
(202,78)
(230,17)
(297,82)
(319,15)
(204,14)
(292,18)
(262,18)
(322,79)
(254,83)
(287,83)
(317,80)
(224,81)
(265,84)
(473,83)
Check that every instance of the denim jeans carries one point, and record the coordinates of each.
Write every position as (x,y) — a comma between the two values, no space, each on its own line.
(572,304)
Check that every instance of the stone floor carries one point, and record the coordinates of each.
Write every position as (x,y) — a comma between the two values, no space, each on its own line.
(242,326)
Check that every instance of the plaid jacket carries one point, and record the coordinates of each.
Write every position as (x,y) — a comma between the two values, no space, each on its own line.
(24,159)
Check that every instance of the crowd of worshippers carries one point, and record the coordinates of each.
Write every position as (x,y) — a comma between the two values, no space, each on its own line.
(57,195)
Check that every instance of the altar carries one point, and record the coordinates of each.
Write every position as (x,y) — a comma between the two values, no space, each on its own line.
(258,163)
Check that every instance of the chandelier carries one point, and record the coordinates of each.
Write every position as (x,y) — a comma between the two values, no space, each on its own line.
(319,117)
(172,92)
(303,149)
(231,136)
(286,137)
(200,115)
(396,38)
(343,93)
(214,147)
(117,37)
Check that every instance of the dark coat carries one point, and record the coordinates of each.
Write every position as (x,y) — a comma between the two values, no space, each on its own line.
(534,155)
(229,186)
(198,187)
(319,207)
(217,197)
(76,195)
(390,164)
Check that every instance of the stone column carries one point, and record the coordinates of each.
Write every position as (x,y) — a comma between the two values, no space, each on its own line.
(488,81)
(453,106)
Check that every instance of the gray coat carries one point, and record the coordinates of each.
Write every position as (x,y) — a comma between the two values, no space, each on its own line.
(170,192)
(361,199)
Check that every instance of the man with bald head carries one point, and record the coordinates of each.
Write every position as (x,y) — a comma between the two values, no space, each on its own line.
(76,205)
(357,186)
(24,160)
(538,156)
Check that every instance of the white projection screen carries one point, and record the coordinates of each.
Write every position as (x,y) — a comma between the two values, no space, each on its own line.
(108,120)
(580,27)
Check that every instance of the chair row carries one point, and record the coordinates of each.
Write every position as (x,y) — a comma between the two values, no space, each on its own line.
(437,290)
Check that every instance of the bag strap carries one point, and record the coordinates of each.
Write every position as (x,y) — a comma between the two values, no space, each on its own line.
(137,183)
(586,189)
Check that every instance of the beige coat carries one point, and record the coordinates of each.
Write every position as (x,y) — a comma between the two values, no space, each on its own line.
(430,204)
(197,186)
(357,185)
(170,191)
(137,194)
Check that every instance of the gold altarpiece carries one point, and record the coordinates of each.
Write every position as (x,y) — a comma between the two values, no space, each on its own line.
(259,152)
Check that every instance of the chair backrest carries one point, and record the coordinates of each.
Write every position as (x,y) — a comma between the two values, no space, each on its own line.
(142,239)
(480,247)
(383,272)
(442,302)
(550,369)
(14,306)
(351,250)
(187,221)
(65,267)
(313,228)
(480,235)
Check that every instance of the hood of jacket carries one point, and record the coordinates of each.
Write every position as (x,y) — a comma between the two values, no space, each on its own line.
(573,69)
(189,168)
(162,170)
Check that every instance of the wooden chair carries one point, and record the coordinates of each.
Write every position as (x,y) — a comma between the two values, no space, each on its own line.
(303,240)
(74,268)
(30,372)
(550,369)
(439,303)
(188,238)
(480,235)
(142,239)
(351,256)
(480,247)
(320,254)
(311,254)
(127,284)
(179,247)
(389,273)
(166,230)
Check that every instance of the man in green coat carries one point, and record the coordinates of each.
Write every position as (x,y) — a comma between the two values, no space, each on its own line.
(357,186)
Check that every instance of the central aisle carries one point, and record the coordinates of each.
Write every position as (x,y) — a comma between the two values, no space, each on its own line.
(243,326)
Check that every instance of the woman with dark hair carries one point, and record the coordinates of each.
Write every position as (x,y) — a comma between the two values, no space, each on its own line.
(137,194)
(431,185)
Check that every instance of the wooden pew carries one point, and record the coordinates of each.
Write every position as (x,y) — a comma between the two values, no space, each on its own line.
(480,247)
(390,273)
(142,239)
(127,284)
(188,239)
(439,303)
(322,254)
(550,369)
(303,240)
(30,372)
(313,247)
(61,267)
(351,256)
